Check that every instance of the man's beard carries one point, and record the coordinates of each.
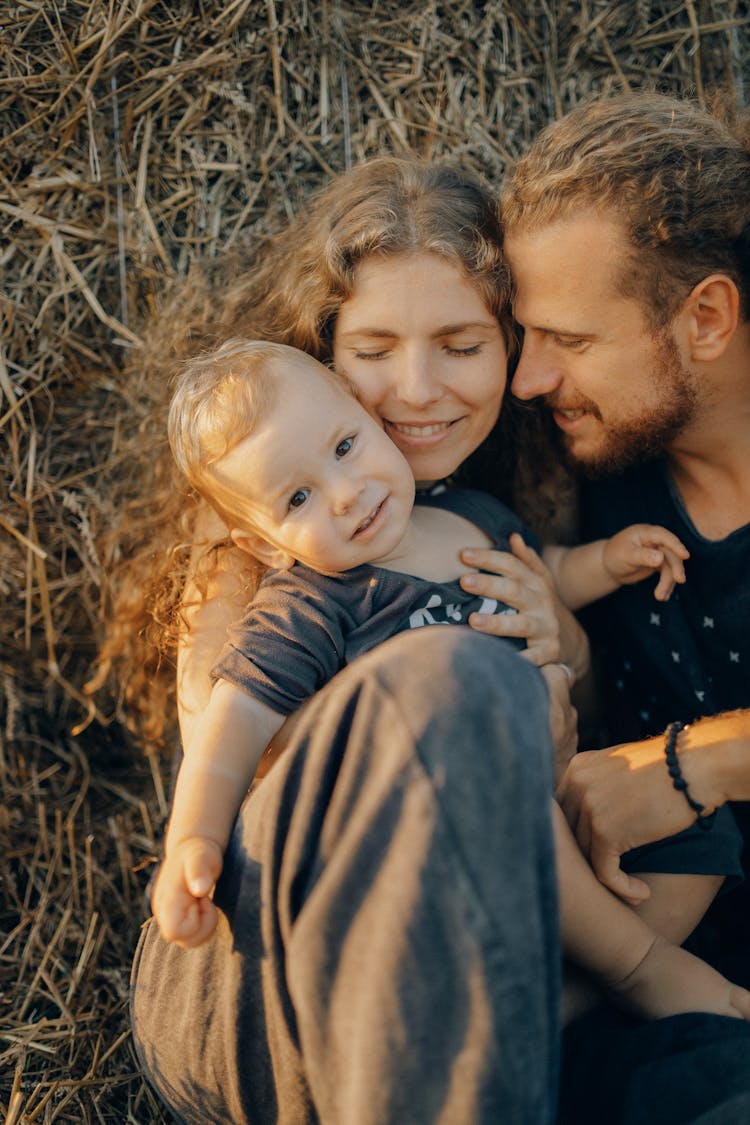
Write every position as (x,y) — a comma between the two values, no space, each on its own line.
(645,438)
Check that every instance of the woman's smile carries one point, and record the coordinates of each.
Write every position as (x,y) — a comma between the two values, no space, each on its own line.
(406,433)
(427,357)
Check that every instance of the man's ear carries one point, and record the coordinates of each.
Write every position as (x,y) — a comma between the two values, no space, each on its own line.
(261,549)
(713,309)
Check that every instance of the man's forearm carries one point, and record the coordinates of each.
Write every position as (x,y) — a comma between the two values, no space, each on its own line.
(714,754)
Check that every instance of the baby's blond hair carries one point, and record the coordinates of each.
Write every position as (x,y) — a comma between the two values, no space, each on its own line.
(220,398)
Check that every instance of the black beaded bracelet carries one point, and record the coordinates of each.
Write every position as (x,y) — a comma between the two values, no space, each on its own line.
(671,734)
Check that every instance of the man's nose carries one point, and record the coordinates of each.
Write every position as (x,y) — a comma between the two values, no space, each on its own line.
(537,372)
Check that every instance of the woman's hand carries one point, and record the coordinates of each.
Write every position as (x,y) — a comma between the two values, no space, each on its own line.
(522,581)
(563,717)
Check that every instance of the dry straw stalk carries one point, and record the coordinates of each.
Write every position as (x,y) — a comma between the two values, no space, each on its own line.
(136,138)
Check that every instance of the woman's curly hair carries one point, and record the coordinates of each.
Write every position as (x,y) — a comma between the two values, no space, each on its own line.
(288,289)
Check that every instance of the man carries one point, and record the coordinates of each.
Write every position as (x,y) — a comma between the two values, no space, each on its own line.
(628,234)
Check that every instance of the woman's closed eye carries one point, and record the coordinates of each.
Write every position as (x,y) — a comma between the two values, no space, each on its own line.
(470,349)
(381,353)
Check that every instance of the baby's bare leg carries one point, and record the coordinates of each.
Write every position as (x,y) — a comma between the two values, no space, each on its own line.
(644,973)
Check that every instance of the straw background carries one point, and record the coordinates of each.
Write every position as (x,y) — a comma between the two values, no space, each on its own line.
(136,137)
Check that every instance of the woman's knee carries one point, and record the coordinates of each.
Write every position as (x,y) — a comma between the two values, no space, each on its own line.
(462,707)
(454,663)
(459,681)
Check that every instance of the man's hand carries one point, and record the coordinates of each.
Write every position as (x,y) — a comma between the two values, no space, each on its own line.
(618,799)
(181,898)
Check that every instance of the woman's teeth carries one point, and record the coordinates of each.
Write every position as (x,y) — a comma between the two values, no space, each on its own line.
(420,431)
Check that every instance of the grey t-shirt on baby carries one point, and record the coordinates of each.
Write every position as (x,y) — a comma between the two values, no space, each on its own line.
(302,627)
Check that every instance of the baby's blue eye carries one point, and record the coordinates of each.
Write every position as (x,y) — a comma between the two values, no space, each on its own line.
(344,447)
(299,497)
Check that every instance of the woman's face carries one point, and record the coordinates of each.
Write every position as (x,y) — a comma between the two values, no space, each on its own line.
(426,355)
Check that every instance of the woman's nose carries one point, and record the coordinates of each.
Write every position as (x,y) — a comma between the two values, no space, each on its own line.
(536,374)
(415,381)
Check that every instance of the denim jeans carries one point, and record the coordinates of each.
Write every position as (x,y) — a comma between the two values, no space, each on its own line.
(387,951)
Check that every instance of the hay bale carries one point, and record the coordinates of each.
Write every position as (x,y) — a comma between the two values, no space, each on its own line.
(136,139)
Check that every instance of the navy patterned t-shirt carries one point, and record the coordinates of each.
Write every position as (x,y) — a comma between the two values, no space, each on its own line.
(682,659)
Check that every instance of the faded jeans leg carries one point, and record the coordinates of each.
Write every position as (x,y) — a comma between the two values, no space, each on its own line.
(389,949)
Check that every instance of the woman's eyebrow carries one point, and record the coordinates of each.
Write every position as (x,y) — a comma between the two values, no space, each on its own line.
(443,330)
(380,333)
(467,326)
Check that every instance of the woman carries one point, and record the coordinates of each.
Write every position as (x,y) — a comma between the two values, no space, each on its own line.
(387,949)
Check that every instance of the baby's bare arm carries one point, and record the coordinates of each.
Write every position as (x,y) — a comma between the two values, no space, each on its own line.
(591,571)
(208,618)
(642,970)
(677,903)
(219,764)
(579,573)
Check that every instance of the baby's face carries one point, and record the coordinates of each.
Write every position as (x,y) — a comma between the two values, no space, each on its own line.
(320,478)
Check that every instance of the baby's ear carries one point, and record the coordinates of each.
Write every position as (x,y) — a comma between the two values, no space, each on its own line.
(260,549)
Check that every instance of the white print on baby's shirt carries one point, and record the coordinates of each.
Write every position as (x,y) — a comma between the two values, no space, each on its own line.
(436,612)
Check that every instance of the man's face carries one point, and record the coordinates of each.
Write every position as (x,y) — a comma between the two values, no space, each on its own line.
(618,391)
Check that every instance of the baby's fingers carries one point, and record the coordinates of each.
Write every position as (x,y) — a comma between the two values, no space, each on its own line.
(671,572)
(174,908)
(202,866)
(663,540)
(198,923)
(181,918)
(665,585)
(676,565)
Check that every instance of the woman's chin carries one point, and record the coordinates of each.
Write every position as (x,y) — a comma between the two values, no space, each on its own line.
(431,465)
(428,471)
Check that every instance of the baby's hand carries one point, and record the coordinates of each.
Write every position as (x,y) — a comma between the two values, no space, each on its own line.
(181,898)
(640,550)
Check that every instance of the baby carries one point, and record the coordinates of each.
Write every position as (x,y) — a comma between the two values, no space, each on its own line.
(312,488)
